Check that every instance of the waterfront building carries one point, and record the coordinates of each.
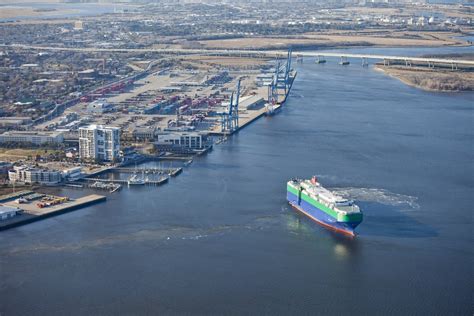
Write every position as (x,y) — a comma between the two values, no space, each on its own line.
(7,212)
(29,175)
(182,142)
(72,174)
(36,138)
(99,143)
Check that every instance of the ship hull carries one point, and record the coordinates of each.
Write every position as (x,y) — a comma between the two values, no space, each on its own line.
(321,217)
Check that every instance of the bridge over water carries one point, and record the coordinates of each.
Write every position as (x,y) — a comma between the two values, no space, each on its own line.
(255,53)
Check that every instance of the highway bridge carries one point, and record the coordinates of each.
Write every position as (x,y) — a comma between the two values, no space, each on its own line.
(254,53)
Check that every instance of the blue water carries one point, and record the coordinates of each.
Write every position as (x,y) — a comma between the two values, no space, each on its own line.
(221,239)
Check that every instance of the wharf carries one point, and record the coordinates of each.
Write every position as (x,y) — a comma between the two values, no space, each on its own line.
(245,119)
(248,116)
(32,213)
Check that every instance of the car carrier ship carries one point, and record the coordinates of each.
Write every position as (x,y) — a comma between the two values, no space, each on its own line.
(323,206)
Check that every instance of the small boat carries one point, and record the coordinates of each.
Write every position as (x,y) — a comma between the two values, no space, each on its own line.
(269,109)
(320,60)
(116,188)
(135,180)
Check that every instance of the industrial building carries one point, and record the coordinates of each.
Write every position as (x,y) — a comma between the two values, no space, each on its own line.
(36,138)
(99,143)
(99,106)
(252,102)
(29,175)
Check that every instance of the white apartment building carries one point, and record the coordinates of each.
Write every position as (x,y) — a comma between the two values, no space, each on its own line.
(99,143)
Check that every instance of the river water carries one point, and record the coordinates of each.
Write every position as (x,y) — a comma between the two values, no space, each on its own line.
(221,239)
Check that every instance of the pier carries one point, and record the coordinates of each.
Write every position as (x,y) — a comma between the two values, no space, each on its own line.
(32,212)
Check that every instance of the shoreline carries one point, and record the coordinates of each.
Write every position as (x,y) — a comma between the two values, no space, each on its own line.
(410,83)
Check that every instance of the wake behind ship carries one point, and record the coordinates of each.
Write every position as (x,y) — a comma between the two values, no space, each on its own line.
(323,206)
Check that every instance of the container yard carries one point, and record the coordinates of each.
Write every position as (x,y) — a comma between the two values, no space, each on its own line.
(204,100)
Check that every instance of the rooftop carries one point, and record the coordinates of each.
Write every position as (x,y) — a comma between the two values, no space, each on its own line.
(14,118)
(8,209)
(95,126)
(32,133)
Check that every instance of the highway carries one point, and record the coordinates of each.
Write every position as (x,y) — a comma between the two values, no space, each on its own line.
(242,53)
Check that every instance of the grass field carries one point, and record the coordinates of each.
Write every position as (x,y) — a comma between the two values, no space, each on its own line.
(18,154)
(340,39)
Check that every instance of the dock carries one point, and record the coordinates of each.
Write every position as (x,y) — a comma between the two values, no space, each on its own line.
(245,118)
(161,181)
(32,212)
(170,171)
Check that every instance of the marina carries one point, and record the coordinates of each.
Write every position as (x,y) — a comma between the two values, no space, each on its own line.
(131,181)
(169,171)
